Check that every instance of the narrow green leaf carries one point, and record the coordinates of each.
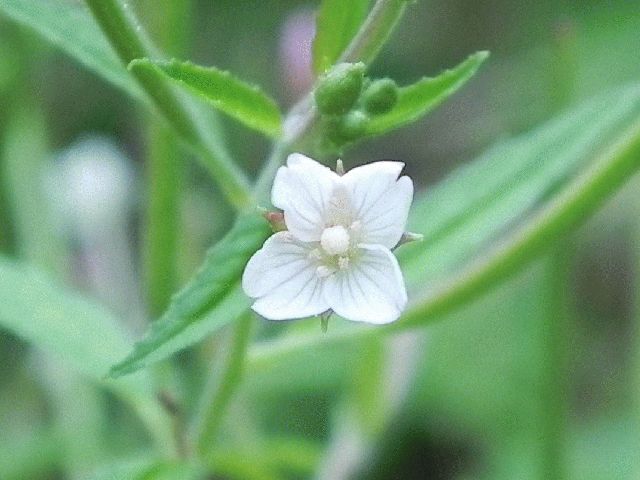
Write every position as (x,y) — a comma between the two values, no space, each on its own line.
(538,185)
(490,196)
(148,469)
(81,333)
(423,96)
(336,25)
(242,101)
(68,25)
(211,300)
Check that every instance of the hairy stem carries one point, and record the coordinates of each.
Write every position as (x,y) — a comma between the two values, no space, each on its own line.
(126,37)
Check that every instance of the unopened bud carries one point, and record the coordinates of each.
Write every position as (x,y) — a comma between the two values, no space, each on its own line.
(408,237)
(380,96)
(354,125)
(275,219)
(339,89)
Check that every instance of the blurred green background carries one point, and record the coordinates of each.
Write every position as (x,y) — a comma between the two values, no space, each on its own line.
(472,401)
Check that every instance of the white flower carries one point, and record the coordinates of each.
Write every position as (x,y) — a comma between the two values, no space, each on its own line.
(336,252)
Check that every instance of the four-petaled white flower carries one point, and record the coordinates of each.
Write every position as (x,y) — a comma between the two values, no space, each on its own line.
(336,252)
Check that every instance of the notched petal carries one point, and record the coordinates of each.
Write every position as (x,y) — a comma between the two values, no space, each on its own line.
(371,290)
(381,201)
(302,189)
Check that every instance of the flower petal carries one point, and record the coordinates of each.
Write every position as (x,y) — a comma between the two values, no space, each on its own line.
(303,189)
(284,280)
(380,201)
(371,290)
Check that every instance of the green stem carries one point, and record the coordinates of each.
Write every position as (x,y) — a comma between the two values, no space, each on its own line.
(164,174)
(124,34)
(572,205)
(222,383)
(170,24)
(553,361)
(375,31)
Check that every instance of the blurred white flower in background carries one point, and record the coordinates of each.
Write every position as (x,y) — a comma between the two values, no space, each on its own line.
(92,189)
(336,252)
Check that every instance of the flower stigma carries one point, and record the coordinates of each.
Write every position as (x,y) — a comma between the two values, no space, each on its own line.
(335,240)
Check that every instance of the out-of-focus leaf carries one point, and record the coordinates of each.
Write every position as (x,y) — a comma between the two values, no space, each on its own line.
(148,469)
(484,199)
(81,333)
(336,24)
(242,101)
(49,316)
(423,96)
(23,163)
(211,300)
(31,456)
(68,25)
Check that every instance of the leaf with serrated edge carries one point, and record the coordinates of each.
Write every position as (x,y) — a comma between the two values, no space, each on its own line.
(242,101)
(211,300)
(68,25)
(337,22)
(415,101)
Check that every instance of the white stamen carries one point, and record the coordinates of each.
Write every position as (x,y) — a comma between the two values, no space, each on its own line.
(335,240)
(343,263)
(315,254)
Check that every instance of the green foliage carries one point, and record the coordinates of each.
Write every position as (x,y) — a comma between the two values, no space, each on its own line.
(148,469)
(246,103)
(337,22)
(57,320)
(423,96)
(68,25)
(24,156)
(81,333)
(339,89)
(211,300)
(480,202)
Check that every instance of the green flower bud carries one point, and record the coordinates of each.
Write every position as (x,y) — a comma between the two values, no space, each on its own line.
(339,88)
(380,96)
(354,125)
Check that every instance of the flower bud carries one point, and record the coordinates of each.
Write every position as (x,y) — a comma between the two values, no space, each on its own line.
(354,125)
(380,96)
(339,88)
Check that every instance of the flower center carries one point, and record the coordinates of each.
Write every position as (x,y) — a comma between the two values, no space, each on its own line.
(335,240)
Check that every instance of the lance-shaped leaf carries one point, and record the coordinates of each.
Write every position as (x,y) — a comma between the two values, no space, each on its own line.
(69,25)
(336,24)
(211,300)
(240,100)
(418,99)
